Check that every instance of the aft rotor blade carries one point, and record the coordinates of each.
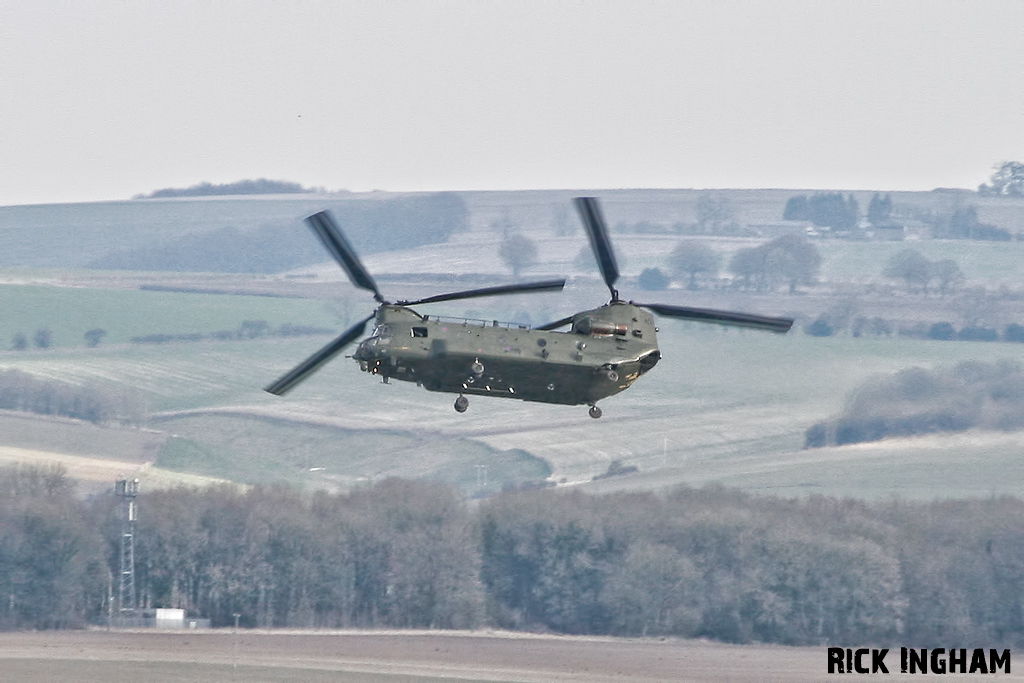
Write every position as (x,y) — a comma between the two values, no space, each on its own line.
(555,325)
(546,285)
(593,221)
(707,315)
(313,363)
(334,240)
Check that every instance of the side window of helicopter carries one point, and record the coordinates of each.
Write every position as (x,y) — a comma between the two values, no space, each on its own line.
(419,332)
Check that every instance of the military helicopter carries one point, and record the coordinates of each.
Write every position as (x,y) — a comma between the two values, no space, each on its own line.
(604,351)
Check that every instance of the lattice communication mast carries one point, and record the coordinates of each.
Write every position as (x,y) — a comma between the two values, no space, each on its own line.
(126,490)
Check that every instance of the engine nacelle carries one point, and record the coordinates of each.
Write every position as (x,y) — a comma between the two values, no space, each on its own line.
(599,328)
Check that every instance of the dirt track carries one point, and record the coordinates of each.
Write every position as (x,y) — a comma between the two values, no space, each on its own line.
(389,657)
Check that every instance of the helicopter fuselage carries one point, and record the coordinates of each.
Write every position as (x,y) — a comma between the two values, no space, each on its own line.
(603,353)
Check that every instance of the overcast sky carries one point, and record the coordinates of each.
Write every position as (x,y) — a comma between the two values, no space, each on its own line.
(104,100)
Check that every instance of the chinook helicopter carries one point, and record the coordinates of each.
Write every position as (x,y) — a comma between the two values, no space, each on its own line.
(603,352)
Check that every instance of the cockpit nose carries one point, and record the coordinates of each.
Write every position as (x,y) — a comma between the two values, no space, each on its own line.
(375,346)
(362,352)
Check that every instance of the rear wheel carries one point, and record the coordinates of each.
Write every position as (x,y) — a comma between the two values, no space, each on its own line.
(461,404)
(595,412)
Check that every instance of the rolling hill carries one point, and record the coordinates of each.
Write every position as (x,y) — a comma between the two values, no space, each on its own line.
(722,406)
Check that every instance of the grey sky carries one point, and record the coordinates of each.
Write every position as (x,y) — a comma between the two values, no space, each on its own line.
(103,100)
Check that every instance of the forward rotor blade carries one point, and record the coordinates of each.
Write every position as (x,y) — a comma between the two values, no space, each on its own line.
(490,291)
(593,221)
(707,315)
(334,240)
(313,363)
(555,325)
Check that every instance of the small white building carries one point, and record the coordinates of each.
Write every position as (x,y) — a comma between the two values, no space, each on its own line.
(168,618)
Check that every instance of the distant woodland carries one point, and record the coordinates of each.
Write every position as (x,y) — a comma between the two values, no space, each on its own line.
(920,401)
(708,562)
(260,186)
(93,401)
(372,226)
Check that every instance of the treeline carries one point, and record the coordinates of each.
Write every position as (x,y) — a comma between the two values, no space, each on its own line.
(1007,181)
(789,260)
(259,186)
(371,225)
(832,210)
(834,215)
(248,329)
(707,562)
(53,566)
(919,401)
(835,321)
(92,401)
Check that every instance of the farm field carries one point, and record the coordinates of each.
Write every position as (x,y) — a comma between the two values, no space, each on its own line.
(67,236)
(71,235)
(390,657)
(722,406)
(265,449)
(991,263)
(68,312)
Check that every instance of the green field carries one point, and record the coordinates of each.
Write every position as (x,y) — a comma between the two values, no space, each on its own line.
(71,235)
(722,406)
(992,262)
(69,312)
(258,450)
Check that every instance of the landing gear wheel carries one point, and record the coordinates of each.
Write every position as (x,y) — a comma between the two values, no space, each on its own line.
(461,404)
(595,412)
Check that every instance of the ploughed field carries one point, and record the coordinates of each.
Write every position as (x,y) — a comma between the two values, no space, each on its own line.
(396,657)
(721,406)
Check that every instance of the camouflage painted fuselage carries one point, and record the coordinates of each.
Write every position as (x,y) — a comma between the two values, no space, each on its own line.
(605,351)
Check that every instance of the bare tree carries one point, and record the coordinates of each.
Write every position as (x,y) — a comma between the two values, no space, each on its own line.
(518,252)
(714,213)
(788,259)
(1008,180)
(694,259)
(912,267)
(43,338)
(948,273)
(94,336)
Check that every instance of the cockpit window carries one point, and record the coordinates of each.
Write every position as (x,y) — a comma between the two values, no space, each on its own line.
(419,332)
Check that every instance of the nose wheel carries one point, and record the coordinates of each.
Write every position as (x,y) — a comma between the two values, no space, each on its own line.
(461,404)
(595,412)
